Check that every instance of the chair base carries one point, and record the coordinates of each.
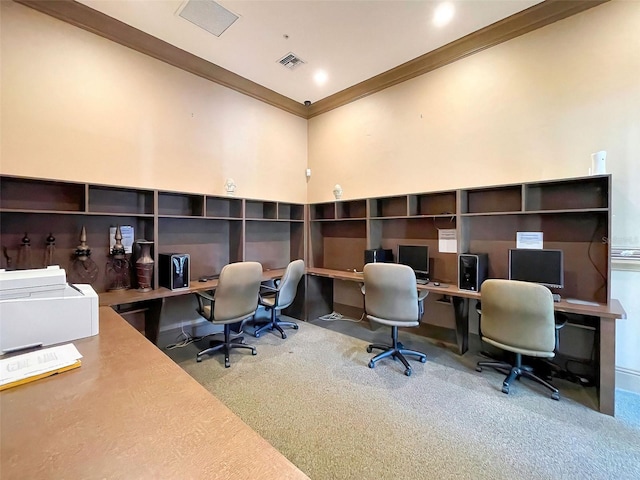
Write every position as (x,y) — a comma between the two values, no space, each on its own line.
(514,372)
(275,324)
(225,346)
(396,351)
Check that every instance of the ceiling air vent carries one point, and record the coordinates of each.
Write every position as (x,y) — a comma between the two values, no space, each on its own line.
(208,15)
(291,61)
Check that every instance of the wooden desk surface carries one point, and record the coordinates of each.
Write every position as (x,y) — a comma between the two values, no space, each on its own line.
(128,412)
(612,311)
(121,297)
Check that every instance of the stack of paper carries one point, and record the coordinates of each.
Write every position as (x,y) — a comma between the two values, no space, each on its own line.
(38,364)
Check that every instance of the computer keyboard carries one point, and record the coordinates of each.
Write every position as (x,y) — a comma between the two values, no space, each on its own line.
(421,281)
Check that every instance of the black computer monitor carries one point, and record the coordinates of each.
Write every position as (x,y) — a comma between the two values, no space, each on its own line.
(416,257)
(539,266)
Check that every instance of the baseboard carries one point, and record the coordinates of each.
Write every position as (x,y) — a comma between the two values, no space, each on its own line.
(627,379)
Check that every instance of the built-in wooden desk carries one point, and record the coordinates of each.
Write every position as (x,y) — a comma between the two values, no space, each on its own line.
(606,314)
(128,412)
(127,301)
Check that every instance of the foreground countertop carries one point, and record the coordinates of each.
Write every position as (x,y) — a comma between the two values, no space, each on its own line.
(128,412)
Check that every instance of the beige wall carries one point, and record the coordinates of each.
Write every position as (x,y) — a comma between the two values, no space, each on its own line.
(532,108)
(76,106)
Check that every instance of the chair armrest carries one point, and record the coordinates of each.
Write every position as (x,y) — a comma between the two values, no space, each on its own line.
(422,294)
(206,294)
(202,297)
(269,288)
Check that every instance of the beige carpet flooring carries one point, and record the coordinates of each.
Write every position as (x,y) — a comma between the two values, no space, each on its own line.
(313,397)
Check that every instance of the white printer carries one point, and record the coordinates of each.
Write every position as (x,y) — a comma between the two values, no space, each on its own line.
(39,307)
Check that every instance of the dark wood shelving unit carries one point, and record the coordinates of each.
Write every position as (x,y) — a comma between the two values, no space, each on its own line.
(213,230)
(573,214)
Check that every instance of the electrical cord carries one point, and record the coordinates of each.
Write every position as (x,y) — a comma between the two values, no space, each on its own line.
(593,237)
(335,316)
(183,339)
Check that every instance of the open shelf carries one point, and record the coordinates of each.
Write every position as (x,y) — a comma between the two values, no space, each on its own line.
(21,194)
(259,210)
(389,206)
(219,207)
(583,194)
(323,211)
(492,200)
(443,203)
(180,204)
(120,200)
(290,211)
(352,209)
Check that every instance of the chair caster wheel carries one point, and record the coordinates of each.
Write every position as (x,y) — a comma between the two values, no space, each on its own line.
(371,364)
(254,352)
(423,359)
(257,335)
(198,359)
(284,336)
(478,369)
(296,327)
(555,396)
(407,372)
(505,389)
(227,364)
(369,350)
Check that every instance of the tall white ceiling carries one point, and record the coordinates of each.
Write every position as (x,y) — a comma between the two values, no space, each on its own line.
(351,40)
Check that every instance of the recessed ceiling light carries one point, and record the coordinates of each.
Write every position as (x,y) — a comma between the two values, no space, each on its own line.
(320,77)
(443,14)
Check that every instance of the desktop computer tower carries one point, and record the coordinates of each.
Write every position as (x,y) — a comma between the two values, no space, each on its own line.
(378,255)
(472,270)
(174,270)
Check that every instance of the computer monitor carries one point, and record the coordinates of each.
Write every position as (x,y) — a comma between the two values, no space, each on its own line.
(416,257)
(538,266)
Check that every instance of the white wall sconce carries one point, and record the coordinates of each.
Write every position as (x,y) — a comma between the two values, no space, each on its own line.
(337,191)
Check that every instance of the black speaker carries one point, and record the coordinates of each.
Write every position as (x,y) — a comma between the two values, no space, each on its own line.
(378,255)
(173,270)
(472,270)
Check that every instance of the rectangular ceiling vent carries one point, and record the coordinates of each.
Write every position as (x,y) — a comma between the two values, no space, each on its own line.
(291,61)
(208,15)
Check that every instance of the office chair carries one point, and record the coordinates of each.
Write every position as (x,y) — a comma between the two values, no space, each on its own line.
(392,299)
(518,317)
(235,300)
(280,296)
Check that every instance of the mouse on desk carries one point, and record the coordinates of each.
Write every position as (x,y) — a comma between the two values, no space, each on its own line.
(436,284)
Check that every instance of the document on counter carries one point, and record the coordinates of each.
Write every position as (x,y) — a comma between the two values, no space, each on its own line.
(38,364)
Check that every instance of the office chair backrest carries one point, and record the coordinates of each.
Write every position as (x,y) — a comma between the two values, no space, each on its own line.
(237,291)
(391,292)
(519,314)
(289,283)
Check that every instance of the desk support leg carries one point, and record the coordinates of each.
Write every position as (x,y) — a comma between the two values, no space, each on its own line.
(607,366)
(461,310)
(152,319)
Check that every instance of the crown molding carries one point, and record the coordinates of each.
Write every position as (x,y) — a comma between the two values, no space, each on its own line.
(523,22)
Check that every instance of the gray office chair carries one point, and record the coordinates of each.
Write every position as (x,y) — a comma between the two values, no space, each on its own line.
(278,297)
(518,317)
(392,299)
(235,300)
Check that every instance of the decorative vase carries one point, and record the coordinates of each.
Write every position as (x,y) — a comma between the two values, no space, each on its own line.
(144,266)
